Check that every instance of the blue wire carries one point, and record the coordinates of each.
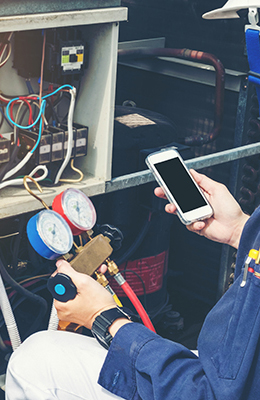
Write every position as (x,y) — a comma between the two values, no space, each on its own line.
(41,109)
(40,129)
(21,126)
(41,112)
(57,90)
(29,86)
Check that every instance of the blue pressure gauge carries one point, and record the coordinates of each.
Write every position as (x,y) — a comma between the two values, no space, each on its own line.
(49,234)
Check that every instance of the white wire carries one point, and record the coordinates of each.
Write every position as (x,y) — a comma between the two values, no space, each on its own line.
(7,56)
(45,120)
(19,181)
(70,134)
(2,62)
(18,166)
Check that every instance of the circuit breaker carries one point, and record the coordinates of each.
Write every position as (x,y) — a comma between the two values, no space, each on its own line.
(65,54)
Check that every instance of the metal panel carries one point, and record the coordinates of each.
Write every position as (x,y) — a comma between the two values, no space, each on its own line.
(18,7)
(59,19)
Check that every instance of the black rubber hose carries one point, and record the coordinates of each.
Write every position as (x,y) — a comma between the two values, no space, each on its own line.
(26,293)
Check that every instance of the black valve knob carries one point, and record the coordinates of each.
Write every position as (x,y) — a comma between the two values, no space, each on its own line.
(61,287)
(113,233)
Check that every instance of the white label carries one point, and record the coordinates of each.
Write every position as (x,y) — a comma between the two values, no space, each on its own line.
(81,142)
(45,149)
(66,145)
(57,146)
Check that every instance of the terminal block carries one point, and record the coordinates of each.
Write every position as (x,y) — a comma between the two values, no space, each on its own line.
(5,145)
(28,139)
(53,144)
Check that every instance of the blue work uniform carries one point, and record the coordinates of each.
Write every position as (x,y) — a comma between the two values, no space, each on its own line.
(142,365)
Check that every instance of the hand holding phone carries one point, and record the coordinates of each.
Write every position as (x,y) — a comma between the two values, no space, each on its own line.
(179,186)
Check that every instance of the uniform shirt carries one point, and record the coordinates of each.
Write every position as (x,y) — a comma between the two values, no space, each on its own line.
(142,365)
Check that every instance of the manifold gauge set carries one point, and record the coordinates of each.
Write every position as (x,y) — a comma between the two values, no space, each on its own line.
(51,232)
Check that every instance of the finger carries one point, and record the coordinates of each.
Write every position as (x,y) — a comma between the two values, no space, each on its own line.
(196,226)
(65,268)
(204,182)
(103,268)
(170,208)
(159,192)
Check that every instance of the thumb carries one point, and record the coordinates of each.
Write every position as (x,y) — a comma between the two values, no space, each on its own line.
(203,181)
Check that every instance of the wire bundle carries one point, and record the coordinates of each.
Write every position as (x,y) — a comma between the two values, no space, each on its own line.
(40,120)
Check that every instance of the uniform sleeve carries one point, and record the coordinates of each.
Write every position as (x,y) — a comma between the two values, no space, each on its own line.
(142,365)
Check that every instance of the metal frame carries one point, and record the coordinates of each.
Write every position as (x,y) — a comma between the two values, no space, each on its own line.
(142,177)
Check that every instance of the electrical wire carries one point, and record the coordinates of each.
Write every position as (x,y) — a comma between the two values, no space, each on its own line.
(27,157)
(70,135)
(40,118)
(18,125)
(19,181)
(6,45)
(2,120)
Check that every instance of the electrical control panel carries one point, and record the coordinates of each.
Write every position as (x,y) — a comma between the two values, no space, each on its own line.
(57,88)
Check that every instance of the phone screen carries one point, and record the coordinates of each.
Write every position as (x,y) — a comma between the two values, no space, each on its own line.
(180,184)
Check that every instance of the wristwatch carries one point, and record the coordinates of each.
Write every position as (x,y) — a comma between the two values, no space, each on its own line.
(103,322)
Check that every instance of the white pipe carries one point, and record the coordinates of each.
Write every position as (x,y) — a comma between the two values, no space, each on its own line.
(9,317)
(54,320)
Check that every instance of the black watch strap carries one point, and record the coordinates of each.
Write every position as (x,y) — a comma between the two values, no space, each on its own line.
(103,322)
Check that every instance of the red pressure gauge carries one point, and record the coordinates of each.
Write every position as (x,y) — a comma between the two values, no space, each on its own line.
(77,209)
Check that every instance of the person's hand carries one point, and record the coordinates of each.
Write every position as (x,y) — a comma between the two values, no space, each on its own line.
(228,220)
(90,300)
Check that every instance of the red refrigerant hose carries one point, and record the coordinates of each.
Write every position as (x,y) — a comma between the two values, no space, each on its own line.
(114,271)
(137,305)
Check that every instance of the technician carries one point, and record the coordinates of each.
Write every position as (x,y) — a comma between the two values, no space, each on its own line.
(139,364)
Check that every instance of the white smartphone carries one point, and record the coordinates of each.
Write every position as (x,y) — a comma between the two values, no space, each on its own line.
(178,185)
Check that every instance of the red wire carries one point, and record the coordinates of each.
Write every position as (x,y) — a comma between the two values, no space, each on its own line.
(138,306)
(30,119)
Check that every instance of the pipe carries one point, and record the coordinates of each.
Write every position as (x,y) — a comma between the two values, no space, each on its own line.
(54,320)
(9,317)
(193,55)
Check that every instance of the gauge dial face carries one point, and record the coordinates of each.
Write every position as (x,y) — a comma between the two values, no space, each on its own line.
(79,209)
(54,231)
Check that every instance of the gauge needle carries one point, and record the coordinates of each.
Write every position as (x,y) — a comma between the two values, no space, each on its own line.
(53,230)
(78,209)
